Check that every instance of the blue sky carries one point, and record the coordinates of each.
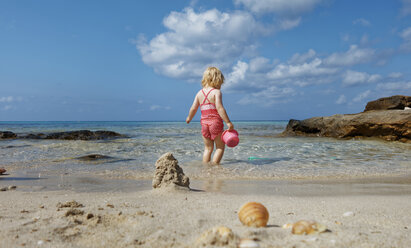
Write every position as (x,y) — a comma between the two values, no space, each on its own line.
(143,60)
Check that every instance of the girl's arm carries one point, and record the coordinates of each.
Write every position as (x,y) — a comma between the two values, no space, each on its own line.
(193,109)
(221,109)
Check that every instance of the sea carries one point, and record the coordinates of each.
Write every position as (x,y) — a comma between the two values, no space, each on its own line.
(261,154)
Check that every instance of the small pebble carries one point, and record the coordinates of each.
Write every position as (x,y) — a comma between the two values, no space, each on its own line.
(348,214)
(110,205)
(3,189)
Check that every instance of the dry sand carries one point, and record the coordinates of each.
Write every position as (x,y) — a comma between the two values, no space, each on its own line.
(356,214)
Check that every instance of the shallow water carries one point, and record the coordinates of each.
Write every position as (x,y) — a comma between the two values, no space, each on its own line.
(261,154)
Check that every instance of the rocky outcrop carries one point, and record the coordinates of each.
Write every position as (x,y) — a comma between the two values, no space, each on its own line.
(169,174)
(69,135)
(391,125)
(387,103)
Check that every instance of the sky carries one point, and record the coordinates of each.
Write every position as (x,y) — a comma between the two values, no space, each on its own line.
(107,60)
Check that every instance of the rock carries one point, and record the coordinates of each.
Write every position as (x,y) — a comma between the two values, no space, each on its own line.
(216,237)
(70,204)
(93,157)
(391,125)
(83,135)
(73,135)
(73,212)
(168,173)
(387,103)
(7,135)
(2,170)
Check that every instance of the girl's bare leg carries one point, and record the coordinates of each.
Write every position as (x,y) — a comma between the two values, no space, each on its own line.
(219,151)
(208,149)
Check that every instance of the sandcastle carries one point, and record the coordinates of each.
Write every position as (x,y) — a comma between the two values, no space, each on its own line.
(169,174)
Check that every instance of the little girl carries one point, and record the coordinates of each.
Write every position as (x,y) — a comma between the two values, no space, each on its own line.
(213,113)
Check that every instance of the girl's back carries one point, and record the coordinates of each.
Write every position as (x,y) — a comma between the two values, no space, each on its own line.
(210,97)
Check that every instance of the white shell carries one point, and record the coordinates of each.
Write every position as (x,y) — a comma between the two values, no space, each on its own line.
(248,243)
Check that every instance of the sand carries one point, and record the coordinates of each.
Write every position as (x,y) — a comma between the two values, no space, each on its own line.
(356,213)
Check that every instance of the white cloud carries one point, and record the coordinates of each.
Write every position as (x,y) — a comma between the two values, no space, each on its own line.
(351,78)
(353,56)
(280,7)
(313,68)
(7,99)
(287,24)
(159,107)
(269,96)
(301,58)
(401,86)
(362,96)
(406,7)
(362,22)
(260,64)
(196,40)
(341,100)
(237,75)
(395,75)
(7,107)
(406,35)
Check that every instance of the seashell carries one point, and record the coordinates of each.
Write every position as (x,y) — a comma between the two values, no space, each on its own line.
(248,243)
(308,227)
(253,214)
(348,214)
(287,226)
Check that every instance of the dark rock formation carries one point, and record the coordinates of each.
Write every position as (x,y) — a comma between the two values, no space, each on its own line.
(389,125)
(7,135)
(387,103)
(70,135)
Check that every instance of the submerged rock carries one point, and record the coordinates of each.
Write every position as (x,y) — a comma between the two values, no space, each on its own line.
(169,173)
(7,135)
(83,135)
(93,157)
(69,135)
(2,170)
(391,125)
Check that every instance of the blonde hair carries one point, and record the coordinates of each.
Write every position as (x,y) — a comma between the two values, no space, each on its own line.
(212,77)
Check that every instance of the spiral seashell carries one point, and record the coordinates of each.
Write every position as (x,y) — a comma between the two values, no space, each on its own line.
(253,214)
(307,227)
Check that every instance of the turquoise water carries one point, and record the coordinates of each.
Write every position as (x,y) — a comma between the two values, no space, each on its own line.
(134,156)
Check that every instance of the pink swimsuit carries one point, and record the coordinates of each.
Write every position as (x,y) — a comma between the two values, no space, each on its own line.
(211,122)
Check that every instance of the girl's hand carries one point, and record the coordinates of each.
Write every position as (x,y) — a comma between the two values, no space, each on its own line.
(188,120)
(230,126)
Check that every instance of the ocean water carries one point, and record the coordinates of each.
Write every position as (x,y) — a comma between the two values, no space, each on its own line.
(261,154)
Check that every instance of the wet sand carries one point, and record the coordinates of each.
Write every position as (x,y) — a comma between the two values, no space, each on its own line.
(128,213)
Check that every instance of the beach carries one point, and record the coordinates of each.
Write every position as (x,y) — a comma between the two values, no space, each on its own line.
(98,193)
(363,215)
